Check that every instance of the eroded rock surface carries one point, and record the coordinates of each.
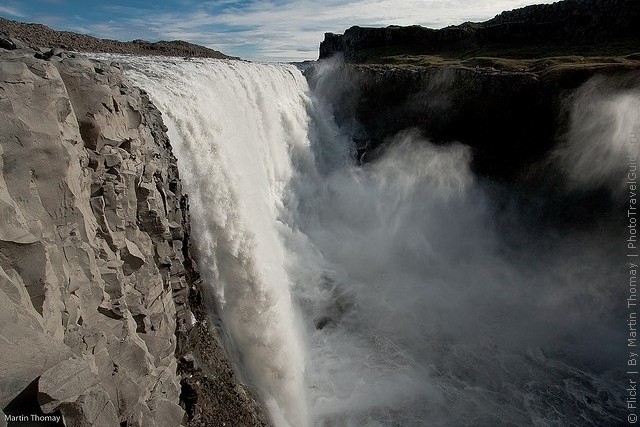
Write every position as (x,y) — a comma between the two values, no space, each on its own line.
(93,230)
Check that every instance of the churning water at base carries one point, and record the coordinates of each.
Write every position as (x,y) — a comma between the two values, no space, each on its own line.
(390,294)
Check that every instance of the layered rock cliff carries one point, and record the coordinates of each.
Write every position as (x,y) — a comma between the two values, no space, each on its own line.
(502,87)
(569,27)
(101,313)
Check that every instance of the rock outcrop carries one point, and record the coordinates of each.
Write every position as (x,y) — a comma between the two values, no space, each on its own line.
(97,286)
(569,27)
(36,36)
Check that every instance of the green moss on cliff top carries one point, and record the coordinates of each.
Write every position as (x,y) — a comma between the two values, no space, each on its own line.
(512,65)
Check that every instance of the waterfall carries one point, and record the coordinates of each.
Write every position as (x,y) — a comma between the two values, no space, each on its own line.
(393,293)
(234,125)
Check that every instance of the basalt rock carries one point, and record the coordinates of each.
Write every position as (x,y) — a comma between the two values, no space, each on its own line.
(500,87)
(95,268)
(569,27)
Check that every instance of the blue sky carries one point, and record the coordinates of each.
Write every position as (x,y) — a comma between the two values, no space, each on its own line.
(277,30)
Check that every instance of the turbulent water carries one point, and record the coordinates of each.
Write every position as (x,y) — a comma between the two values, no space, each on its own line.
(398,293)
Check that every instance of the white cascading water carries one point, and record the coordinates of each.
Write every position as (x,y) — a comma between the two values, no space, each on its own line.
(237,132)
(388,294)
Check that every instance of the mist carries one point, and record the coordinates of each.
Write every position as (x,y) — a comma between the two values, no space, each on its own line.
(423,302)
(604,124)
(443,307)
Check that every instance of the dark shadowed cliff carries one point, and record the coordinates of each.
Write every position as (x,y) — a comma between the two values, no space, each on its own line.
(570,27)
(502,87)
(511,118)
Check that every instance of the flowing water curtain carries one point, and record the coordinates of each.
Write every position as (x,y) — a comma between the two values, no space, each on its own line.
(232,126)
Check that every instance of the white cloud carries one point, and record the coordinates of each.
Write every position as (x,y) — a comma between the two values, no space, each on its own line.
(12,11)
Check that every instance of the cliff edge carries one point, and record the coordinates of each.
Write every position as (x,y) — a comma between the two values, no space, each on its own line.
(101,318)
(569,27)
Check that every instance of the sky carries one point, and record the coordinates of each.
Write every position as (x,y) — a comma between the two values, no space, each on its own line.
(260,30)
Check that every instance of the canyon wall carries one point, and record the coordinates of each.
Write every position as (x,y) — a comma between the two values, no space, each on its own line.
(570,27)
(502,87)
(102,313)
(511,113)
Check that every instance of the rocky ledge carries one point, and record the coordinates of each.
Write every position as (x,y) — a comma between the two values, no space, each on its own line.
(101,316)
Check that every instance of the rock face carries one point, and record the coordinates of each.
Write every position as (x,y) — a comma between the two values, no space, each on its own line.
(570,27)
(96,280)
(38,35)
(499,86)
(89,260)
(511,117)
